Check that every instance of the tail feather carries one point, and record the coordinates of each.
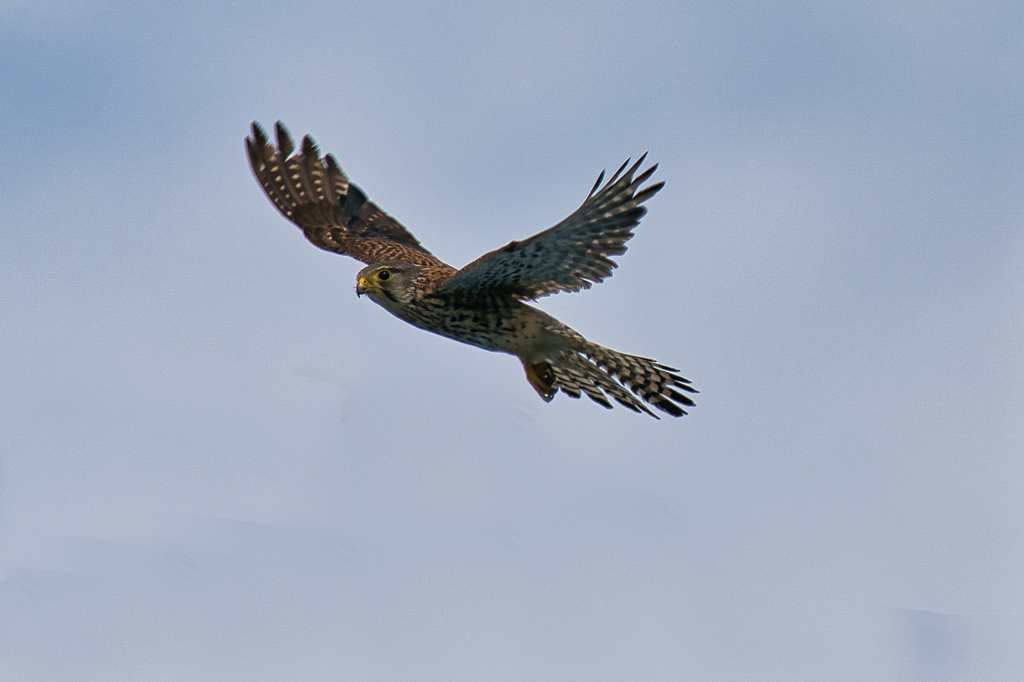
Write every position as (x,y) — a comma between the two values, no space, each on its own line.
(582,382)
(630,380)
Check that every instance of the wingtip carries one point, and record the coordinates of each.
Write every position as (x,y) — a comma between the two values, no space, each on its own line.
(259,135)
(309,147)
(284,140)
(639,162)
(615,177)
(254,155)
(256,147)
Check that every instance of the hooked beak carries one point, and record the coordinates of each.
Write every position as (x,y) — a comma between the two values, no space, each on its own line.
(363,286)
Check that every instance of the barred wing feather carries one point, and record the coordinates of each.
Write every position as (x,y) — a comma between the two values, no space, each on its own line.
(316,195)
(574,254)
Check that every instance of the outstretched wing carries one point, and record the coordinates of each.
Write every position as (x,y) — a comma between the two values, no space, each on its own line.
(572,255)
(333,213)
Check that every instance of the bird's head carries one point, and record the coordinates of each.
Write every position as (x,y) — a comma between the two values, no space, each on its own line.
(388,283)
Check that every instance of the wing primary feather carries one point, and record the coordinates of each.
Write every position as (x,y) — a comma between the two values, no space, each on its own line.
(611,181)
(336,178)
(596,184)
(309,147)
(306,167)
(632,169)
(647,192)
(642,178)
(259,135)
(285,146)
(264,157)
(354,201)
(284,140)
(257,146)
(255,160)
(315,168)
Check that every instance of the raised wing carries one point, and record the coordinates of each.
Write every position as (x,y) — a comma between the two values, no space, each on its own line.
(333,213)
(572,255)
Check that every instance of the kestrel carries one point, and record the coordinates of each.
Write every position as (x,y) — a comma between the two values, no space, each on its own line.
(482,304)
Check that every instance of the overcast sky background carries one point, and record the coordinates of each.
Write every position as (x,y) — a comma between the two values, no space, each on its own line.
(216,463)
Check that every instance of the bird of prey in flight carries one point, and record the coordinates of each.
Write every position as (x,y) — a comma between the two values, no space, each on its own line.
(483,303)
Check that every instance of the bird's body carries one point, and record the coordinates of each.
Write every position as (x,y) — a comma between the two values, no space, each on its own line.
(482,304)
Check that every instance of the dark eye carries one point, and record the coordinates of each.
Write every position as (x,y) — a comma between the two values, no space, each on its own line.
(383,275)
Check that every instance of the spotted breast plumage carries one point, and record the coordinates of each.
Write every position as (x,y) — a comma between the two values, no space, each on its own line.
(483,304)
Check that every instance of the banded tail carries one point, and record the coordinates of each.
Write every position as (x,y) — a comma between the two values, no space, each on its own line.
(601,373)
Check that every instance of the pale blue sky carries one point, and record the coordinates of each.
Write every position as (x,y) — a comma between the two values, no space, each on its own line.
(216,463)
